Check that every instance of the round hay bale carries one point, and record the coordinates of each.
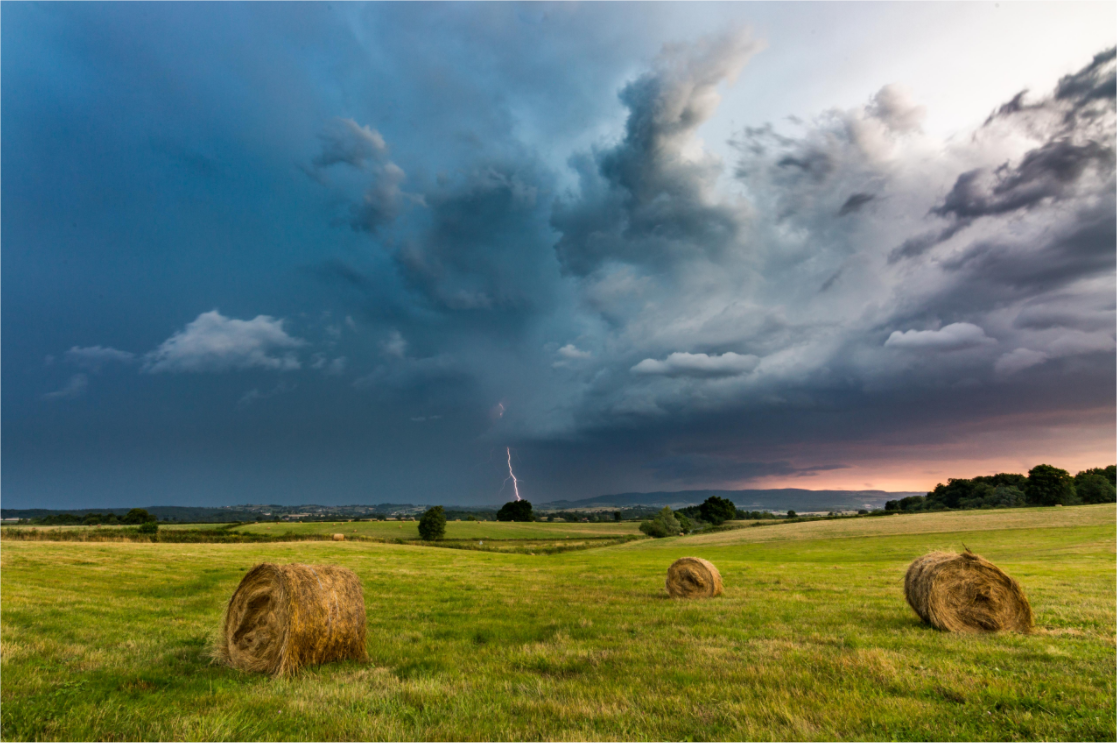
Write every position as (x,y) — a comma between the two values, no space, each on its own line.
(284,617)
(693,578)
(339,537)
(966,593)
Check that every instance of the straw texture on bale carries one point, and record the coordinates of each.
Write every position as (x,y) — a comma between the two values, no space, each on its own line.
(693,578)
(966,593)
(339,537)
(282,618)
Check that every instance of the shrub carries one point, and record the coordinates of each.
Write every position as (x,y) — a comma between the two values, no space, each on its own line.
(432,525)
(663,524)
(1050,486)
(518,510)
(717,510)
(149,527)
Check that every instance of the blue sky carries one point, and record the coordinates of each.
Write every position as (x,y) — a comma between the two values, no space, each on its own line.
(350,253)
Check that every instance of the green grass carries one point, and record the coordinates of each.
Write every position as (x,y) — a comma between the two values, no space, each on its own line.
(480,530)
(812,640)
(173,526)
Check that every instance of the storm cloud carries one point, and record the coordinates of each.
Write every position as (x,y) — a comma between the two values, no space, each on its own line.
(650,200)
(590,233)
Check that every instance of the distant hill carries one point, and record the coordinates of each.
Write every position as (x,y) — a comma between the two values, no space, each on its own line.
(247,512)
(747,500)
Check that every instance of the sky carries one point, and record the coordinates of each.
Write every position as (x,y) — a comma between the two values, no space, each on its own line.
(365,253)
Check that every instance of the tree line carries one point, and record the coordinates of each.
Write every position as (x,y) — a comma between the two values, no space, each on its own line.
(1044,485)
(134,516)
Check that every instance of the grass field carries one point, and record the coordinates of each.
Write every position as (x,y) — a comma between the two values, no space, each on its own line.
(812,639)
(454,529)
(81,527)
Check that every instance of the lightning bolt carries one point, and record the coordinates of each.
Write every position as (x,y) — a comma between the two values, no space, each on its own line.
(512,475)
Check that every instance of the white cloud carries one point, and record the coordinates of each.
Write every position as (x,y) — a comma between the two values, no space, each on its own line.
(94,357)
(395,345)
(570,351)
(570,355)
(74,388)
(698,365)
(1018,360)
(255,394)
(215,343)
(951,338)
(335,367)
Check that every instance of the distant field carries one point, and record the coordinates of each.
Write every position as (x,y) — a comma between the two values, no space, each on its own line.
(812,640)
(162,525)
(454,529)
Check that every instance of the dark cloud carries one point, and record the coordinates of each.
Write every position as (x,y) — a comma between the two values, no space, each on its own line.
(1047,173)
(1075,159)
(915,246)
(482,248)
(345,142)
(645,201)
(855,202)
(918,324)
(815,164)
(1096,81)
(1084,250)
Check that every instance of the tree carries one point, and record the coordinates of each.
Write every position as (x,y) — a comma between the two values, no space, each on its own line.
(1004,478)
(432,525)
(791,514)
(149,527)
(616,515)
(1050,486)
(517,510)
(717,510)
(1094,488)
(950,495)
(981,494)
(137,516)
(663,524)
(1007,496)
